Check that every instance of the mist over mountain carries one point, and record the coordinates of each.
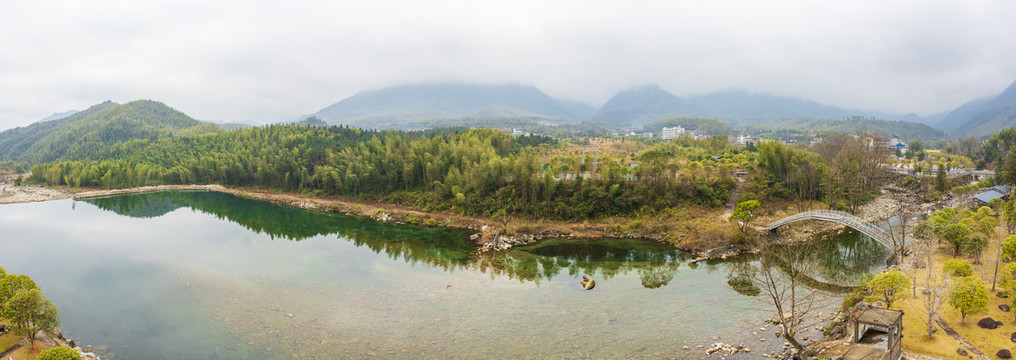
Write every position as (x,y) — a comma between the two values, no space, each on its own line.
(980,118)
(583,111)
(58,116)
(637,107)
(394,106)
(957,117)
(747,107)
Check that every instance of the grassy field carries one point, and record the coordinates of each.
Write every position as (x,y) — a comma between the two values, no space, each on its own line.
(942,346)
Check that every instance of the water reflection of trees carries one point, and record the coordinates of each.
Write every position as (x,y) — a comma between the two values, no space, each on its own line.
(436,247)
(839,260)
(656,264)
(843,258)
(835,262)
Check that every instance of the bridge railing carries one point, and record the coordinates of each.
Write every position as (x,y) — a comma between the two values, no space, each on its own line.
(852,221)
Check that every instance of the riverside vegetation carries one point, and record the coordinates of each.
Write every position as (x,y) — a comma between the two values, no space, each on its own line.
(672,190)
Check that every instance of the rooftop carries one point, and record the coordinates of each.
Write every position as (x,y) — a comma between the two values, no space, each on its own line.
(865,352)
(987,196)
(879,316)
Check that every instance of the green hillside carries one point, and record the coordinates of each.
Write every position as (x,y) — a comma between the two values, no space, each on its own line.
(854,125)
(89,132)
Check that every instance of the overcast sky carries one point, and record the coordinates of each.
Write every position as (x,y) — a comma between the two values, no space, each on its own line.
(266,61)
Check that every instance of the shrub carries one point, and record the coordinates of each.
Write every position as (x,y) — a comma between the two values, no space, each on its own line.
(957,268)
(60,353)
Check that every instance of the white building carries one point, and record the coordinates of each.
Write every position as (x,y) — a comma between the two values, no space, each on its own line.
(672,132)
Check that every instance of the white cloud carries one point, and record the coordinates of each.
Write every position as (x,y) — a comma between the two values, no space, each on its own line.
(266,60)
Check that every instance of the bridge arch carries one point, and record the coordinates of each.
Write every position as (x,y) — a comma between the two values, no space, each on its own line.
(877,233)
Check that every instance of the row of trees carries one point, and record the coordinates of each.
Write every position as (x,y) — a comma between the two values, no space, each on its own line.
(845,171)
(478,171)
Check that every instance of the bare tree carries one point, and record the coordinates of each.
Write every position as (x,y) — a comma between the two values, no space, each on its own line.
(898,231)
(781,274)
(935,291)
(856,167)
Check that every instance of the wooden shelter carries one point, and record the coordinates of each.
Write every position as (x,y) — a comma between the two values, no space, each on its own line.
(878,333)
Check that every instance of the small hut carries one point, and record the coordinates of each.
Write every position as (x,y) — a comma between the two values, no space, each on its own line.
(877,335)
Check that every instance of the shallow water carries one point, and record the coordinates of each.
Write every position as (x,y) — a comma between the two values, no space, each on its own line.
(208,275)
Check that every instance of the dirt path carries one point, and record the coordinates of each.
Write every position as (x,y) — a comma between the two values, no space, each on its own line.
(959,339)
(732,201)
(911,355)
(13,348)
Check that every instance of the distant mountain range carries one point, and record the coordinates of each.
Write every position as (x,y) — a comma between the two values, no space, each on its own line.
(58,116)
(62,135)
(88,131)
(451,104)
(394,107)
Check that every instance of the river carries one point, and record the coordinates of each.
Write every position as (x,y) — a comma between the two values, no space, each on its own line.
(202,275)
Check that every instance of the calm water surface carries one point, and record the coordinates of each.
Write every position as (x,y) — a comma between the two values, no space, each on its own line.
(196,275)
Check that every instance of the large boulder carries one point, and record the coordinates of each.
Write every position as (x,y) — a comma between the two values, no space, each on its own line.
(1004,354)
(1004,307)
(1002,294)
(987,323)
(1012,337)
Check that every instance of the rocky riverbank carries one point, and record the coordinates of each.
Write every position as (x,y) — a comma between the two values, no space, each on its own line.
(490,236)
(10,194)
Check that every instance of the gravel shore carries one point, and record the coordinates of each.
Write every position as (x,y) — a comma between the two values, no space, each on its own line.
(10,194)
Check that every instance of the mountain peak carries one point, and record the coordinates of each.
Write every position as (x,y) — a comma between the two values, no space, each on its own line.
(392,106)
(638,106)
(978,118)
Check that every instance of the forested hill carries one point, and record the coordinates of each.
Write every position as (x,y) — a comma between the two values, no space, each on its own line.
(92,131)
(474,172)
(990,116)
(855,125)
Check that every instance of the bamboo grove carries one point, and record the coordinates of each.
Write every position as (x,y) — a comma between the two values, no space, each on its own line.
(473,172)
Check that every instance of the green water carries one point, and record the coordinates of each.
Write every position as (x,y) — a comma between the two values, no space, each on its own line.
(206,275)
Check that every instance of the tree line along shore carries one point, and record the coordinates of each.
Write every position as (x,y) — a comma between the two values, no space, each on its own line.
(699,194)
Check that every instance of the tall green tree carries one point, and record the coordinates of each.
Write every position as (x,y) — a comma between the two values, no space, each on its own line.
(957,268)
(32,312)
(743,214)
(969,295)
(1009,248)
(12,284)
(888,286)
(958,235)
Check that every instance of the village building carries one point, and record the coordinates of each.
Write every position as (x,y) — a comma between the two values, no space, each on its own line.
(671,132)
(877,335)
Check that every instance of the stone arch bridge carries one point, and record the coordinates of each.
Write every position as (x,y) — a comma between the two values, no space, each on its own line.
(883,237)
